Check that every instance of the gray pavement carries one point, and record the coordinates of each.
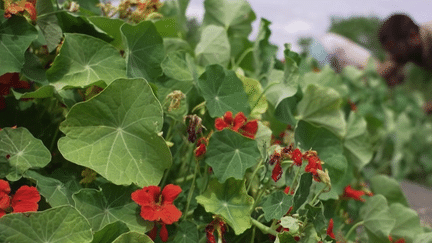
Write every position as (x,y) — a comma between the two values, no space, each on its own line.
(419,199)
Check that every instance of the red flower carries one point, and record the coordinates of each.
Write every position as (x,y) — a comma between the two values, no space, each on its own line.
(330,229)
(220,226)
(314,163)
(277,172)
(296,156)
(157,206)
(200,150)
(287,190)
(354,194)
(238,124)
(163,234)
(25,199)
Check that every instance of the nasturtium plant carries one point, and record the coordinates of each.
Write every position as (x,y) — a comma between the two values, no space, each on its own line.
(136,123)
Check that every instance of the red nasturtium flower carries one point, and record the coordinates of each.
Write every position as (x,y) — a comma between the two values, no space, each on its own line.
(22,7)
(349,192)
(314,164)
(296,156)
(238,124)
(157,206)
(218,225)
(330,229)
(277,172)
(201,148)
(26,199)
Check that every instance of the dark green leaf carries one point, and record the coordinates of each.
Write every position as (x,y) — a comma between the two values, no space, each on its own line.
(48,24)
(231,154)
(276,205)
(302,192)
(223,91)
(230,201)
(144,50)
(133,237)
(33,69)
(111,27)
(187,232)
(110,232)
(16,34)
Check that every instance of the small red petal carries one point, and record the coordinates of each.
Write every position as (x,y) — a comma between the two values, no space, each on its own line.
(25,199)
(4,201)
(146,196)
(220,124)
(163,233)
(149,213)
(31,10)
(349,192)
(239,120)
(153,233)
(277,172)
(400,241)
(228,118)
(200,150)
(250,129)
(4,186)
(170,193)
(287,189)
(330,229)
(297,157)
(170,214)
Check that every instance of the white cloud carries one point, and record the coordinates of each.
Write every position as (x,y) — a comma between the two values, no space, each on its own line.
(298,27)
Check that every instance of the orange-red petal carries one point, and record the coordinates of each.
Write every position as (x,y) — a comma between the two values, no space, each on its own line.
(250,129)
(330,229)
(170,193)
(31,10)
(220,124)
(25,199)
(163,233)
(239,120)
(146,196)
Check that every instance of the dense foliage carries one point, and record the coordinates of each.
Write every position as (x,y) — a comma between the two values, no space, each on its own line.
(123,126)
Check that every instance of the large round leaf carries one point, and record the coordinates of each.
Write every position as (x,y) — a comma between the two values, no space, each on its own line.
(48,24)
(235,16)
(144,50)
(256,100)
(407,224)
(111,27)
(321,106)
(357,146)
(276,205)
(110,232)
(116,134)
(187,232)
(229,200)
(230,154)
(223,91)
(109,204)
(84,60)
(214,47)
(20,151)
(378,220)
(61,224)
(16,34)
(133,237)
(389,188)
(180,66)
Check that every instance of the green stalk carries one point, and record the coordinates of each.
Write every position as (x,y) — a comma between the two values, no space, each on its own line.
(317,195)
(191,190)
(253,174)
(243,55)
(253,234)
(353,228)
(263,228)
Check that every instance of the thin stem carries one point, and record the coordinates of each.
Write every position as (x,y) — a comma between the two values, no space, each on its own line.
(297,173)
(54,140)
(258,197)
(191,190)
(183,179)
(317,195)
(243,55)
(353,228)
(253,174)
(50,13)
(263,228)
(253,235)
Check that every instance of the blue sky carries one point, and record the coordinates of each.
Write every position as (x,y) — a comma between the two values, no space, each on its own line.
(294,19)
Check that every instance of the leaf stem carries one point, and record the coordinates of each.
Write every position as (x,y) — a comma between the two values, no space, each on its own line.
(297,173)
(317,195)
(183,179)
(254,173)
(191,189)
(253,235)
(243,55)
(263,228)
(53,140)
(353,228)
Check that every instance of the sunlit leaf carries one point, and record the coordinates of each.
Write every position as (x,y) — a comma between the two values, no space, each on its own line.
(133,237)
(230,201)
(407,224)
(116,134)
(378,220)
(214,47)
(276,205)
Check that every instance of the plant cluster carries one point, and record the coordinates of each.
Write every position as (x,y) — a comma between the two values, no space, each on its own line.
(114,131)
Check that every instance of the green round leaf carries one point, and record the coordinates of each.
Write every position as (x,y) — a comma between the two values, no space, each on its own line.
(223,91)
(110,232)
(84,60)
(21,151)
(253,89)
(389,188)
(116,134)
(133,237)
(230,201)
(109,204)
(16,34)
(180,66)
(48,24)
(321,107)
(276,205)
(357,146)
(144,50)
(214,47)
(235,16)
(187,232)
(61,224)
(377,218)
(230,154)
(54,191)
(111,27)
(407,224)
